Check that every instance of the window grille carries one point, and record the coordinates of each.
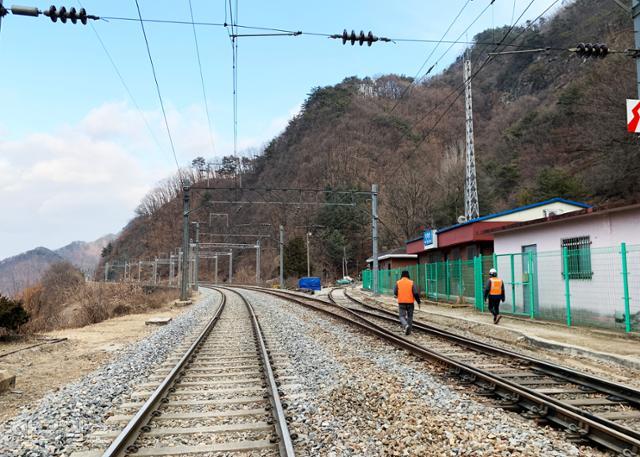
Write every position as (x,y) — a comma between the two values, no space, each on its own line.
(578,257)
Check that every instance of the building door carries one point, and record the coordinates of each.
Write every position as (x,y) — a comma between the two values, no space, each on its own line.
(530,279)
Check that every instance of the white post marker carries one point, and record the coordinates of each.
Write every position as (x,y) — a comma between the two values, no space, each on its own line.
(633,116)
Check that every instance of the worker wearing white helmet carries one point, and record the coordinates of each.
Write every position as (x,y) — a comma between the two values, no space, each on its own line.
(494,292)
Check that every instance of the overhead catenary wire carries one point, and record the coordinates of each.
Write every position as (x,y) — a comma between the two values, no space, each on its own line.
(459,91)
(235,82)
(451,45)
(233,38)
(155,78)
(124,83)
(291,32)
(204,91)
(424,64)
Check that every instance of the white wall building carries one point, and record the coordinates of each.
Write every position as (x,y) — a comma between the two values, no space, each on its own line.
(593,239)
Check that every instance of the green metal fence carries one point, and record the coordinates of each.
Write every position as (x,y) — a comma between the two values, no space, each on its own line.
(577,285)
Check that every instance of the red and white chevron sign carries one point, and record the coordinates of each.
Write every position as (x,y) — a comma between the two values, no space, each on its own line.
(633,116)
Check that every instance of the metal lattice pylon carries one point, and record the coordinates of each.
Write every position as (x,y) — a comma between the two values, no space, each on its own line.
(471,205)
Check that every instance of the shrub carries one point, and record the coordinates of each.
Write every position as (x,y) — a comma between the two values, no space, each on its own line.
(61,281)
(12,314)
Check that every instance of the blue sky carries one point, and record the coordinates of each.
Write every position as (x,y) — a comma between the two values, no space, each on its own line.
(76,156)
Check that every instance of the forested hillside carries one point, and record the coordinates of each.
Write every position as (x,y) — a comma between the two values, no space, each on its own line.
(546,124)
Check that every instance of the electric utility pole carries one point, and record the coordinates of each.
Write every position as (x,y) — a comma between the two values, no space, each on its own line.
(281,257)
(186,190)
(634,9)
(374,235)
(471,205)
(197,256)
(308,256)
(258,262)
(635,13)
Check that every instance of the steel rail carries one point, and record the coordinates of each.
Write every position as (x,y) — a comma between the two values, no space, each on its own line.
(285,443)
(576,377)
(124,443)
(539,406)
(598,385)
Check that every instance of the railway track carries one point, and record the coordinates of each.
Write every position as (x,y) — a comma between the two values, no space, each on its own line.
(586,407)
(220,396)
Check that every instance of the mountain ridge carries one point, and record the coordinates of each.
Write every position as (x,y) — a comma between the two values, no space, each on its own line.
(25,269)
(547,124)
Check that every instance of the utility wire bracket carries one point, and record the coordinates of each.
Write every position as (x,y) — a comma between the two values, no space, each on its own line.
(635,53)
(298,33)
(522,51)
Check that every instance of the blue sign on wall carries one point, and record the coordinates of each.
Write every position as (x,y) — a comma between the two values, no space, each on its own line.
(427,238)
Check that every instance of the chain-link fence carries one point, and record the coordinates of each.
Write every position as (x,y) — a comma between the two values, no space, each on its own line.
(577,285)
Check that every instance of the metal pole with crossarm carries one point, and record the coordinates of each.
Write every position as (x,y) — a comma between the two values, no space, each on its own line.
(186,187)
(635,14)
(281,257)
(374,236)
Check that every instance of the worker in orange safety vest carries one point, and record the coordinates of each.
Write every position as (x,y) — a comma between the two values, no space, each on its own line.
(407,293)
(494,292)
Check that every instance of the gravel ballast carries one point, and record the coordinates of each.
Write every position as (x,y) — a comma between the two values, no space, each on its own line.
(59,424)
(369,398)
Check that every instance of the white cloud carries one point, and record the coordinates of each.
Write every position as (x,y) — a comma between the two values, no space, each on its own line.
(79,183)
(85,180)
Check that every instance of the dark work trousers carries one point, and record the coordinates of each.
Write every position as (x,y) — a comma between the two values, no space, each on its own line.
(494,304)
(406,314)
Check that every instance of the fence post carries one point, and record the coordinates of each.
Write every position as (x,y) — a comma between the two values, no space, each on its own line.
(436,264)
(426,281)
(495,262)
(460,288)
(567,289)
(625,284)
(513,284)
(477,280)
(531,291)
(447,281)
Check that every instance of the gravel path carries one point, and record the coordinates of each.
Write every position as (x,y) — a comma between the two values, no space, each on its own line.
(60,422)
(372,399)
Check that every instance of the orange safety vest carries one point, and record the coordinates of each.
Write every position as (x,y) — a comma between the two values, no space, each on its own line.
(496,286)
(405,290)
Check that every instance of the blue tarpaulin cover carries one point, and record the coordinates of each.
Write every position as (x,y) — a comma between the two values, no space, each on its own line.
(310,283)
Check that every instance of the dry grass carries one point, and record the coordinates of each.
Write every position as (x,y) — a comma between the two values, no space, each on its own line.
(89,303)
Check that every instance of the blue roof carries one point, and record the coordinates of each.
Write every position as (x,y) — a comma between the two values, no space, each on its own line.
(509,211)
(515,210)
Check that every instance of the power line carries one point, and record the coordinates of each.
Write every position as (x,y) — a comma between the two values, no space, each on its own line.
(234,51)
(155,78)
(289,32)
(123,82)
(460,92)
(424,64)
(204,92)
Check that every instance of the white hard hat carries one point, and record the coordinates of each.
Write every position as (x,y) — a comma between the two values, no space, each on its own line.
(493,271)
